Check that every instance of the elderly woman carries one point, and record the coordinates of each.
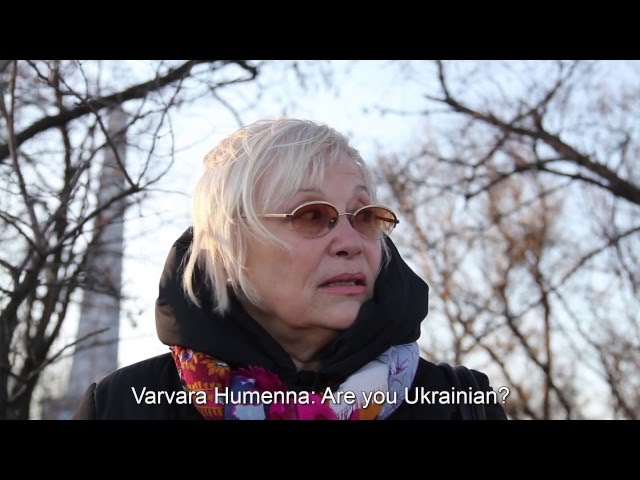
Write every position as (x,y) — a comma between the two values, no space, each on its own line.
(287,299)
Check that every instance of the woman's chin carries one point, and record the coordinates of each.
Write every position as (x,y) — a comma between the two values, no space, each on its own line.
(341,318)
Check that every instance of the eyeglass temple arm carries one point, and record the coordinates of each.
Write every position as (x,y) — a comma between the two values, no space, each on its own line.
(390,220)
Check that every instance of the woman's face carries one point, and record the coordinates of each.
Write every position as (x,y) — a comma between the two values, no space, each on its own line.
(292,284)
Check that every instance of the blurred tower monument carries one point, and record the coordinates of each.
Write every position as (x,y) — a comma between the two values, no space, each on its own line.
(100,310)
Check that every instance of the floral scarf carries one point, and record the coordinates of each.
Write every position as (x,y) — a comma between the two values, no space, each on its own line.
(254,393)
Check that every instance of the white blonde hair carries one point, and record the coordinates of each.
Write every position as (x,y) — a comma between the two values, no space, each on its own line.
(258,166)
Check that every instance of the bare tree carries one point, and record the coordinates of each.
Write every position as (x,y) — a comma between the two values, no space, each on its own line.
(524,212)
(52,129)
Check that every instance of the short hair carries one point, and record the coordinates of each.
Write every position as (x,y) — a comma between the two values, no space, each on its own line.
(258,166)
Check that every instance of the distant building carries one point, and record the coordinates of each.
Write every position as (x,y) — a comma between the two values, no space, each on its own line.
(98,354)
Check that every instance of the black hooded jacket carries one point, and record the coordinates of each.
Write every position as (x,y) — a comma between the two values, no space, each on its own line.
(391,317)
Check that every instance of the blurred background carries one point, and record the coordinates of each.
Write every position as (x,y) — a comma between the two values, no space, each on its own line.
(517,184)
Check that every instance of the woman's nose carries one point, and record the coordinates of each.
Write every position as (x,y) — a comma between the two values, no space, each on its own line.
(345,238)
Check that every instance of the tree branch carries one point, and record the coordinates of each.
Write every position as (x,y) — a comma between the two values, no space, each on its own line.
(93,105)
(614,183)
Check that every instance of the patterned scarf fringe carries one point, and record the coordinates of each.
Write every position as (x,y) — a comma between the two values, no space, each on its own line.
(391,374)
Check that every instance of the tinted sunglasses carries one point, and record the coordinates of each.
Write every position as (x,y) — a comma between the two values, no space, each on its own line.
(315,219)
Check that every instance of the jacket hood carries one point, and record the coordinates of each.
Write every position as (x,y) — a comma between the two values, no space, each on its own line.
(391,317)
